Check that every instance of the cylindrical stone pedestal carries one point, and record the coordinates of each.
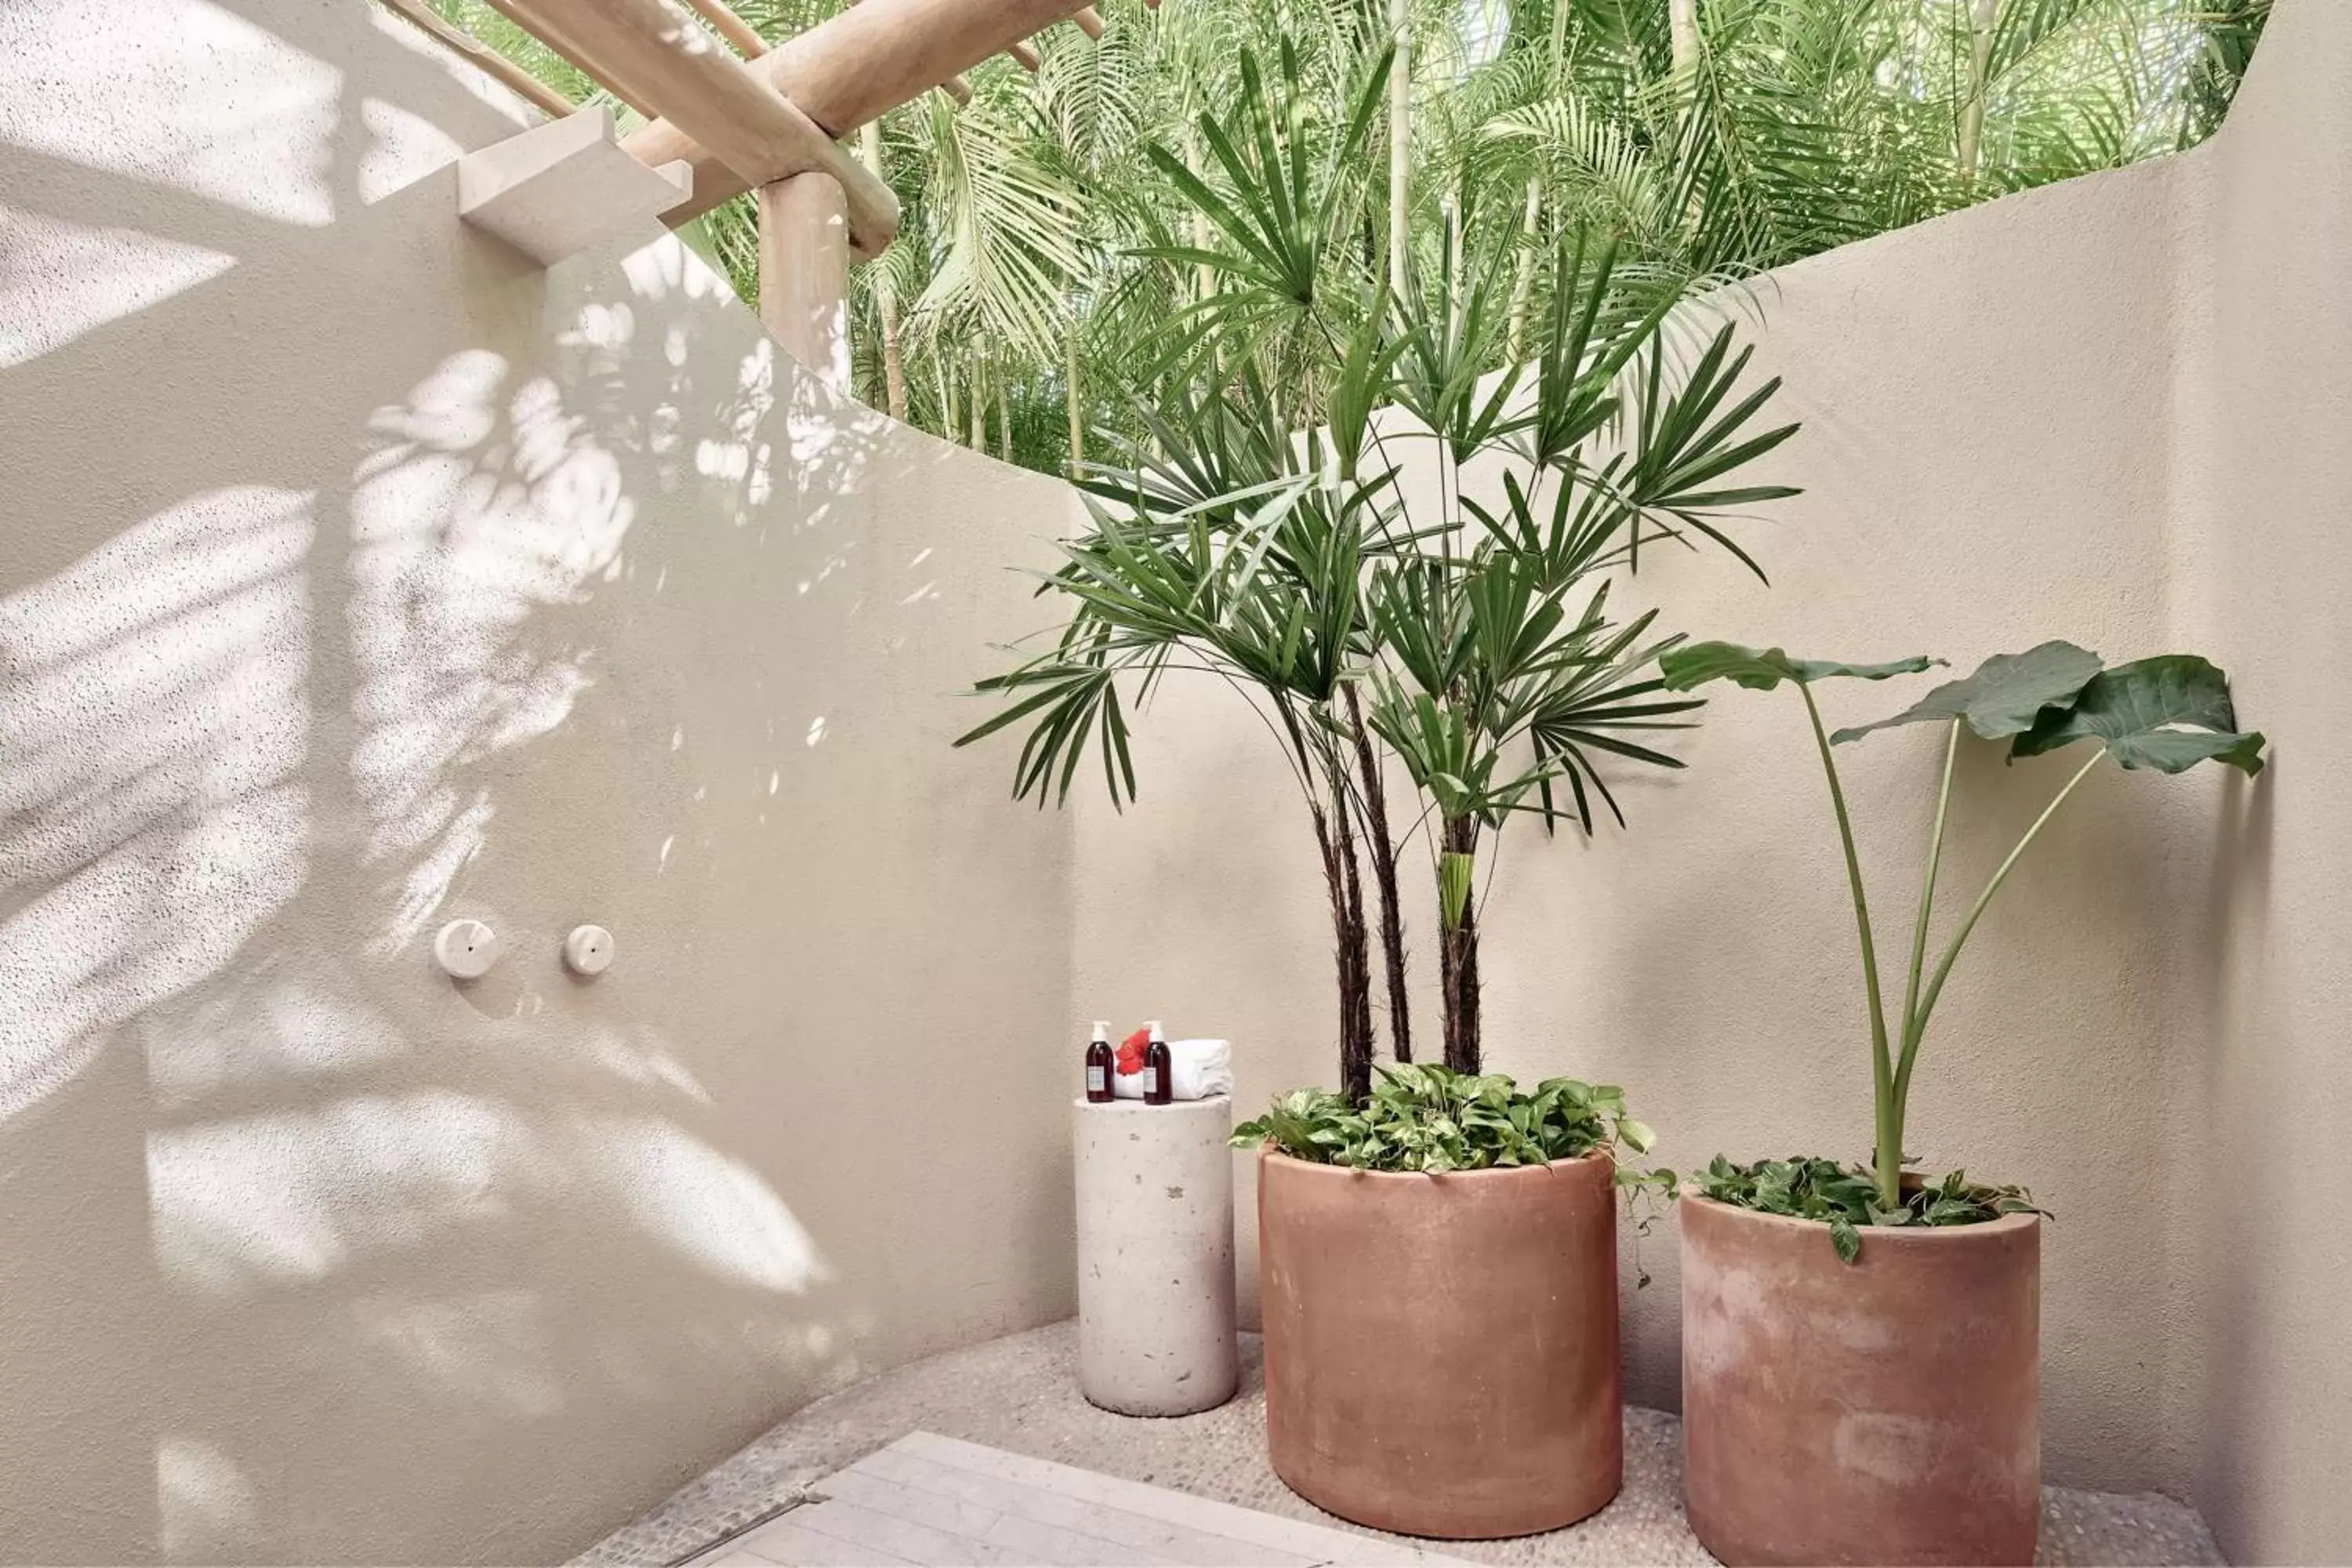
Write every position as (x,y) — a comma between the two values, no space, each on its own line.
(1155,1189)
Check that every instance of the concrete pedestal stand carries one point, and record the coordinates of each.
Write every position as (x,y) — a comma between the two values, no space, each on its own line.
(1155,1191)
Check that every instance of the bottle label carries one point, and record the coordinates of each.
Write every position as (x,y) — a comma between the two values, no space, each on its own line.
(1098,1081)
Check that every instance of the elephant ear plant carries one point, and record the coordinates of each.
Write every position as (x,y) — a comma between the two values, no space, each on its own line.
(2165,714)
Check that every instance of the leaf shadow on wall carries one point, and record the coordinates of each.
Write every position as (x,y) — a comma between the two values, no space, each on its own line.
(333,617)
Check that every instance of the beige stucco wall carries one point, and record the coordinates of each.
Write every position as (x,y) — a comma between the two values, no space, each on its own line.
(2110,411)
(353,575)
(2260,573)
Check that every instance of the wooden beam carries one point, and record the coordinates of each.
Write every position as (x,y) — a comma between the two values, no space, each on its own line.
(713,100)
(843,73)
(955,87)
(555,190)
(487,60)
(804,273)
(1089,21)
(1023,55)
(572,55)
(732,27)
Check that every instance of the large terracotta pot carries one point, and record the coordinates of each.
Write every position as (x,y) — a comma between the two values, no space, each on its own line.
(1440,1352)
(1883,1410)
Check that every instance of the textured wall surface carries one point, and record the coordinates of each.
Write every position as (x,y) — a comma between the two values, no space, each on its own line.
(2262,1373)
(2110,411)
(354,575)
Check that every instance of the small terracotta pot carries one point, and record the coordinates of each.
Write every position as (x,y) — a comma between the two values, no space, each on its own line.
(1883,1410)
(1440,1352)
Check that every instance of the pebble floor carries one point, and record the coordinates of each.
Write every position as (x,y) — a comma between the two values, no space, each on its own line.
(1021,1393)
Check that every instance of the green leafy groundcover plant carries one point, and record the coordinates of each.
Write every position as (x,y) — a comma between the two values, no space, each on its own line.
(1846,1196)
(1421,1116)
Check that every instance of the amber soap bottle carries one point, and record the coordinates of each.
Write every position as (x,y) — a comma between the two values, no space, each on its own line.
(1100,1066)
(1158,1070)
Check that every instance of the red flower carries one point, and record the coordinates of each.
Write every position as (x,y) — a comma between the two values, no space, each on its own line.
(1131,1052)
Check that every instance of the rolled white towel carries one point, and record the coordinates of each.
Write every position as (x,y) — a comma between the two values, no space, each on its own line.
(1197,1069)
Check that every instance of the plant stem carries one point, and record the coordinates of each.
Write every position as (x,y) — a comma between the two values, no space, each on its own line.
(1892,1114)
(1882,1067)
(1916,1028)
(1401,149)
(1927,882)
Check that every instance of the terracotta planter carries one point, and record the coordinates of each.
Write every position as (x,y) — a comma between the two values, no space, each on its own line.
(1440,1352)
(1883,1410)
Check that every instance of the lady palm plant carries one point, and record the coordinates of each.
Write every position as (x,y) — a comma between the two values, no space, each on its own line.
(1273,529)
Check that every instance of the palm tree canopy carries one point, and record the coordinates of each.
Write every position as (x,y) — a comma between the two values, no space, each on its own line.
(1045,244)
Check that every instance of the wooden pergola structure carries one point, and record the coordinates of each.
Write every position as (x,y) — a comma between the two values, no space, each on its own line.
(721,121)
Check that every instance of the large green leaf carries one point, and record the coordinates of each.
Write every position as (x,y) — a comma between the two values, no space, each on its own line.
(1762,669)
(2169,713)
(2004,696)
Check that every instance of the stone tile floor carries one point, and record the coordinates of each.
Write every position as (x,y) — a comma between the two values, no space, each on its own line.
(1020,1394)
(933,1501)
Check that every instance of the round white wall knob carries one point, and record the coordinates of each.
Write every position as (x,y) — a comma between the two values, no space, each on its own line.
(466,949)
(588,949)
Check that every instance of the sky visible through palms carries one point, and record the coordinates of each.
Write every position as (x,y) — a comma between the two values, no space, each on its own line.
(1027,323)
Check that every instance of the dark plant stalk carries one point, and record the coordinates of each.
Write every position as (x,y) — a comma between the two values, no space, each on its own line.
(1383,848)
(1335,842)
(1458,962)
(1352,953)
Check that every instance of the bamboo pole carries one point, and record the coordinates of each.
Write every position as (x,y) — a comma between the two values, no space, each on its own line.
(805,272)
(844,71)
(564,50)
(483,57)
(757,136)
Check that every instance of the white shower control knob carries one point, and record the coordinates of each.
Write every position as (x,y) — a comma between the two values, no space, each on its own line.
(588,949)
(466,949)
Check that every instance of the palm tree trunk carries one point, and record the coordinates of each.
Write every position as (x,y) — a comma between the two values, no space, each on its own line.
(950,427)
(1973,112)
(1078,407)
(894,361)
(886,304)
(1204,281)
(1681,23)
(1383,848)
(1005,418)
(1523,287)
(1457,962)
(1335,841)
(1401,146)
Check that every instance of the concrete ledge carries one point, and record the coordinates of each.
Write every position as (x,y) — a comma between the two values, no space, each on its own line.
(557,189)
